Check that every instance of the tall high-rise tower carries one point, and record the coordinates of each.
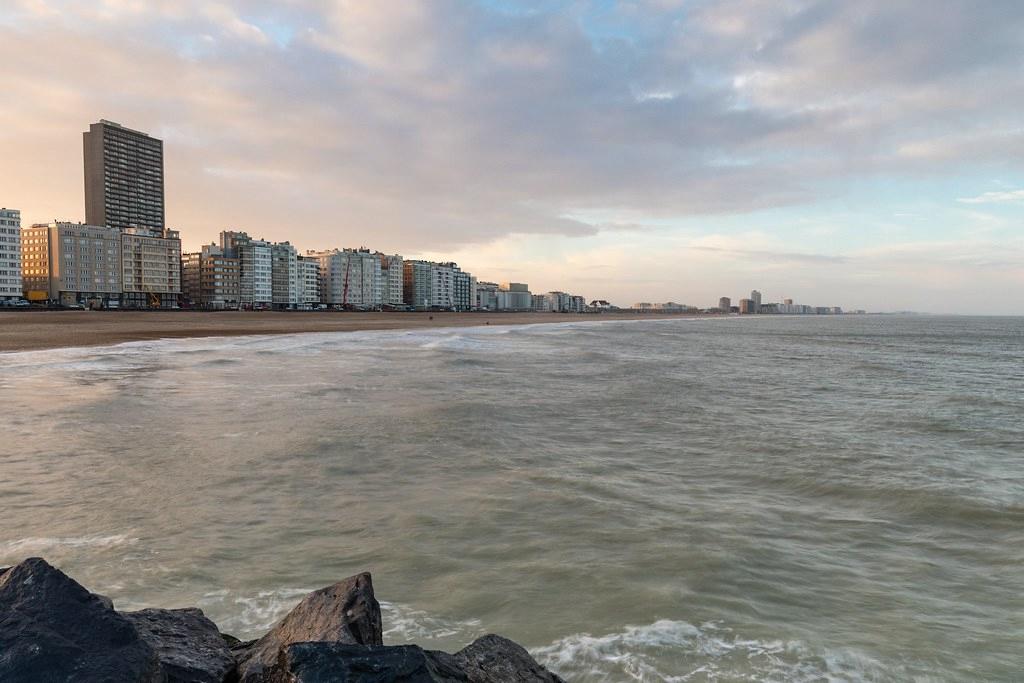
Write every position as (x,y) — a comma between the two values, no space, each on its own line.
(124,177)
(755,296)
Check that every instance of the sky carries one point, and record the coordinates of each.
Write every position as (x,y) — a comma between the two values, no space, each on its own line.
(863,154)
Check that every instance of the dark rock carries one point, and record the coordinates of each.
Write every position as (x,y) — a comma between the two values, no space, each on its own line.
(53,629)
(346,612)
(493,659)
(341,663)
(188,645)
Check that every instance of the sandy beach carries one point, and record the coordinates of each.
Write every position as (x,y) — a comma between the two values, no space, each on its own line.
(28,330)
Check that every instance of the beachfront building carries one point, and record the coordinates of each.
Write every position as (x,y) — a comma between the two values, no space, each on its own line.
(150,267)
(392,274)
(210,280)
(514,296)
(309,282)
(349,278)
(73,263)
(755,296)
(124,177)
(10,255)
(255,261)
(724,304)
(485,296)
(443,286)
(284,274)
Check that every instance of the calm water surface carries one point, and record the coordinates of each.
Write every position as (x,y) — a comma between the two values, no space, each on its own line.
(769,498)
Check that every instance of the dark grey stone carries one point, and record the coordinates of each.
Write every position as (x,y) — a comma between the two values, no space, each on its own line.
(346,612)
(53,629)
(188,645)
(341,663)
(493,659)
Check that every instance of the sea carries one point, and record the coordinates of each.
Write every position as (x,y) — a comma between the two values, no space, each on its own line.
(757,498)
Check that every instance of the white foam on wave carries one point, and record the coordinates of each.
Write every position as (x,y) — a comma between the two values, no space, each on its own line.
(404,624)
(677,651)
(43,543)
(251,615)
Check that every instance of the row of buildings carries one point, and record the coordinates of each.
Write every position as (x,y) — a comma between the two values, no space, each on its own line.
(124,256)
(751,306)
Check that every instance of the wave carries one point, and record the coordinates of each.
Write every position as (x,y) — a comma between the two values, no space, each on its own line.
(677,651)
(38,544)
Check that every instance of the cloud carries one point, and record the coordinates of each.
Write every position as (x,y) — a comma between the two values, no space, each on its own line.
(421,126)
(1000,197)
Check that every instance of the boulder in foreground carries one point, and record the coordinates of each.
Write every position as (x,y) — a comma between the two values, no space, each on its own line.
(188,646)
(346,612)
(53,629)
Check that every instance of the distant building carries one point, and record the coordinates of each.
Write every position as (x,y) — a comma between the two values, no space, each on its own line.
(256,268)
(10,255)
(486,296)
(541,303)
(748,306)
(514,296)
(151,268)
(437,286)
(755,296)
(73,263)
(210,279)
(284,276)
(124,177)
(725,304)
(392,274)
(309,282)
(349,278)
(601,305)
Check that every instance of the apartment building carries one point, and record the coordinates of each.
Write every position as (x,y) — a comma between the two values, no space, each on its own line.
(392,276)
(309,282)
(349,278)
(150,267)
(124,177)
(210,279)
(255,258)
(428,285)
(285,285)
(73,263)
(10,255)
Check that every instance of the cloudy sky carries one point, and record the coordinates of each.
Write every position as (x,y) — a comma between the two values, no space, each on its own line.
(867,154)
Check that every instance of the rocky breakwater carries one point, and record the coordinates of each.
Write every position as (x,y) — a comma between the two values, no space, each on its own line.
(53,629)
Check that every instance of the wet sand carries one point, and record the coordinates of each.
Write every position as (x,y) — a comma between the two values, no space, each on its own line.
(27,330)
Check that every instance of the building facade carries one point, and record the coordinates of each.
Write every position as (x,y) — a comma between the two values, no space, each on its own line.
(392,276)
(285,276)
(10,255)
(256,268)
(124,177)
(150,267)
(210,279)
(486,296)
(73,263)
(437,286)
(349,278)
(309,282)
(724,304)
(514,296)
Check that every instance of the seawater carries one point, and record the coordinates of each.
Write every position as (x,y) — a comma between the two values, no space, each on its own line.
(765,498)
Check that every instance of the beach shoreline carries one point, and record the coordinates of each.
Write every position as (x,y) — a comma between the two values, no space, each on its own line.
(40,330)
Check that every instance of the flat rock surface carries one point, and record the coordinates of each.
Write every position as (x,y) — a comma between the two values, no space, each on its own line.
(188,645)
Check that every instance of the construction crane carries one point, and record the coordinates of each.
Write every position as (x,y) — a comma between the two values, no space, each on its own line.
(344,292)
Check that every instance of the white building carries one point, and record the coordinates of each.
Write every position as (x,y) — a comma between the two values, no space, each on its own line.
(514,296)
(485,296)
(256,269)
(428,285)
(150,267)
(284,275)
(10,255)
(349,278)
(309,282)
(392,273)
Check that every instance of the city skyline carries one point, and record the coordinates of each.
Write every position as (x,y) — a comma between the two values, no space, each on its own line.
(612,150)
